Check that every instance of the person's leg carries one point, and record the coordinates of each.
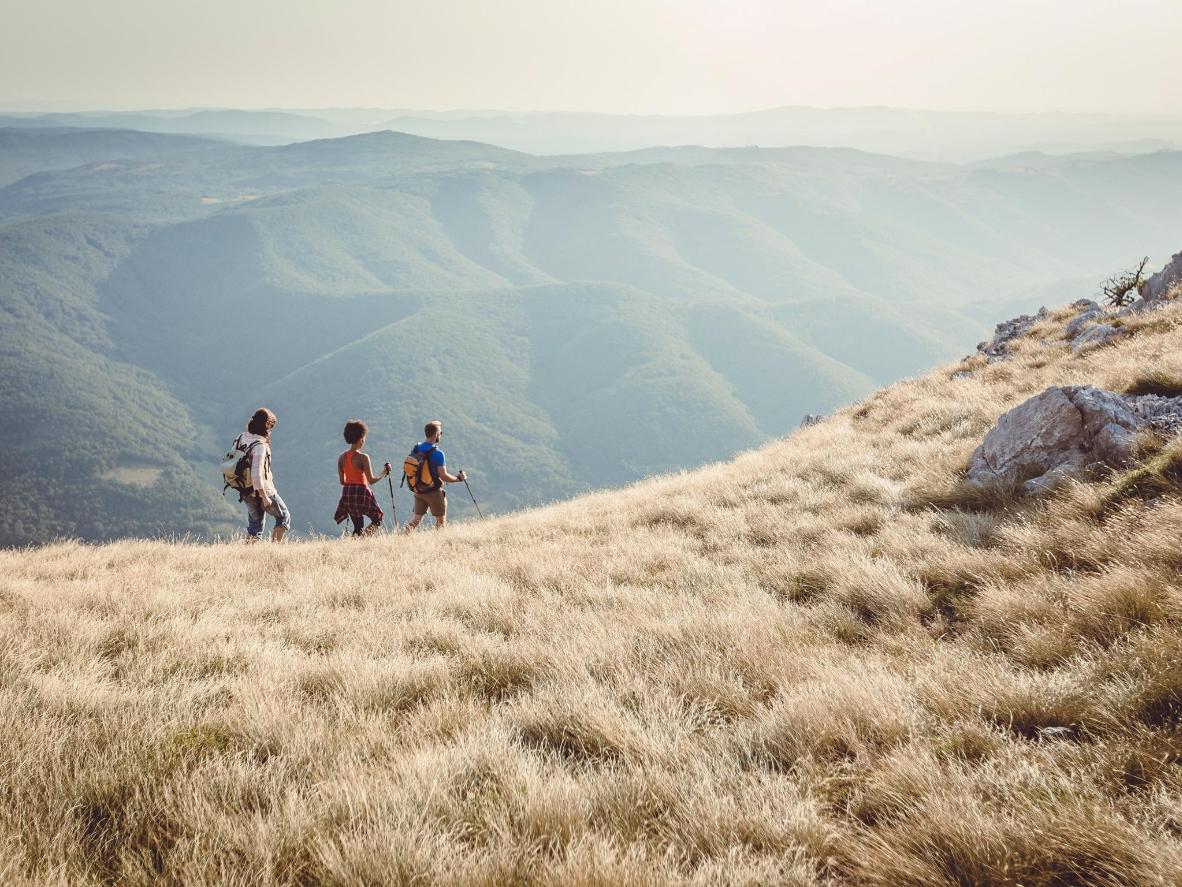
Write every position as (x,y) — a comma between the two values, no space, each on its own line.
(420,510)
(254,518)
(278,510)
(439,509)
(358,521)
(373,527)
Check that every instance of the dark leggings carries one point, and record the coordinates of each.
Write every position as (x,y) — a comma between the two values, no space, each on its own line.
(358,521)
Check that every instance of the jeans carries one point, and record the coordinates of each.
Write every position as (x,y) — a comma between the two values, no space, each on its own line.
(255,514)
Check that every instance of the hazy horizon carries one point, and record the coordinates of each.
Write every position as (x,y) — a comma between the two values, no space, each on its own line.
(696,57)
(65,107)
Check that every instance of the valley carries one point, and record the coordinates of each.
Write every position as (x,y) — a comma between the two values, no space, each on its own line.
(579,321)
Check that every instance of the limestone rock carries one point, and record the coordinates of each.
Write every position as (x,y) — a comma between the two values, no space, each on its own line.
(1160,284)
(1114,444)
(1080,321)
(1046,483)
(1062,431)
(1141,306)
(1030,439)
(1101,334)
(1099,408)
(1006,332)
(811,419)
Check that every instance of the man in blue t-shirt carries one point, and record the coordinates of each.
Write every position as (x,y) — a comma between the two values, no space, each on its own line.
(433,498)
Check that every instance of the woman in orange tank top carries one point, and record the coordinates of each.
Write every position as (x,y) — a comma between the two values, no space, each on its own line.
(350,473)
(355,473)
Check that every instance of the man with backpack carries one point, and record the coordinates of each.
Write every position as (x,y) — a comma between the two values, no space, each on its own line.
(426,475)
(247,469)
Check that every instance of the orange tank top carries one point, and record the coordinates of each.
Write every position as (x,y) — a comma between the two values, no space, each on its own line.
(353,474)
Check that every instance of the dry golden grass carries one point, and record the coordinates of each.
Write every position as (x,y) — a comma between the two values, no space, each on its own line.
(824,664)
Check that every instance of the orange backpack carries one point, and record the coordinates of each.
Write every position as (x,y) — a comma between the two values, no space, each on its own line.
(418,473)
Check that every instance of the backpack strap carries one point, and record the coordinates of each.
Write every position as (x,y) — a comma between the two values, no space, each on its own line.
(435,482)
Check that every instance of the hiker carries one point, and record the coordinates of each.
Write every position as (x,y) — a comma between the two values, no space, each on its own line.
(260,497)
(356,474)
(427,476)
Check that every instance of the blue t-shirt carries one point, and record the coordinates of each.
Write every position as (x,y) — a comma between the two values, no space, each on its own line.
(436,458)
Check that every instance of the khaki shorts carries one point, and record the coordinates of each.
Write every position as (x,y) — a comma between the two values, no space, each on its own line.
(436,502)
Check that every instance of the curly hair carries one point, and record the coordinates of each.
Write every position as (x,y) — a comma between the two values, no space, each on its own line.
(262,422)
(355,429)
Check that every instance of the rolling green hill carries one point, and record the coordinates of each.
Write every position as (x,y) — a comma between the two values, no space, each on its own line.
(94,447)
(578,322)
(26,151)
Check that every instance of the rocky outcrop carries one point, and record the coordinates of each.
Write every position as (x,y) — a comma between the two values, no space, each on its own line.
(1065,430)
(1158,286)
(1090,325)
(1087,327)
(811,419)
(998,348)
(1094,337)
(1089,312)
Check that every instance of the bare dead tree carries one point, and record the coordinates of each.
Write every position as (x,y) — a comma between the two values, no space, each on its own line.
(1121,289)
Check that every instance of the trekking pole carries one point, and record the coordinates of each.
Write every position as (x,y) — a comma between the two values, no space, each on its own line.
(473,499)
(393,501)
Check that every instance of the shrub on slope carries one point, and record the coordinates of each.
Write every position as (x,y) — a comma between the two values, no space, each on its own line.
(812,665)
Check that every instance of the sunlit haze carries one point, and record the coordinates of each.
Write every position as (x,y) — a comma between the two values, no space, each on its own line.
(634,56)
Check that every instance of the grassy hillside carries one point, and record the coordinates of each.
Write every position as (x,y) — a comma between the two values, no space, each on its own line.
(818,664)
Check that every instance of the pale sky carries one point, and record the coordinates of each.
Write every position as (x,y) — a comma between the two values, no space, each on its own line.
(632,56)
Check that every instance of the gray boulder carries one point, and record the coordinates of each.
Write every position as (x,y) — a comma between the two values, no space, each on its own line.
(1088,328)
(1101,334)
(1159,285)
(1059,433)
(1142,306)
(1046,483)
(1031,439)
(1077,324)
(811,419)
(1007,331)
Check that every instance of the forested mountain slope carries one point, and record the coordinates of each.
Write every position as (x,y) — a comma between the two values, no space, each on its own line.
(577,321)
(25,151)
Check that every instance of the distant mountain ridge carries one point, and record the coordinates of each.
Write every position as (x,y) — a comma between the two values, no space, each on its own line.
(925,134)
(25,151)
(579,321)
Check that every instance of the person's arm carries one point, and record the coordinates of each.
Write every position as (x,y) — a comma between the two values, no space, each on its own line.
(260,452)
(367,470)
(449,478)
(341,468)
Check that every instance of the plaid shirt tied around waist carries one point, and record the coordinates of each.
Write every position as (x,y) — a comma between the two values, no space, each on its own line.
(357,499)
